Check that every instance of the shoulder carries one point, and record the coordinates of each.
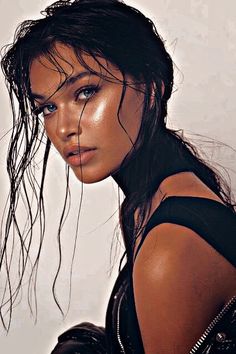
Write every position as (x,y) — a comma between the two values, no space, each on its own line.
(176,279)
(171,247)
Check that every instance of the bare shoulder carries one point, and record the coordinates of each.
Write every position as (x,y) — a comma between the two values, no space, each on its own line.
(177,283)
(185,184)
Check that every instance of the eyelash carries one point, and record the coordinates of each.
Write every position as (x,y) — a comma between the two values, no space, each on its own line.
(95,88)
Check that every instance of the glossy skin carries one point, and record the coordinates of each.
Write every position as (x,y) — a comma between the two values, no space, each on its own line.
(84,112)
(180,281)
(175,270)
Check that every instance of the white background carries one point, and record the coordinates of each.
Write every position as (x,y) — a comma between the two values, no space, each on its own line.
(201,37)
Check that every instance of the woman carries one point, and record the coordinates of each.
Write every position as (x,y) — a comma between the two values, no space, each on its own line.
(99,75)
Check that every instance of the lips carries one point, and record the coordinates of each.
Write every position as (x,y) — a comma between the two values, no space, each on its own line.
(75,149)
(78,155)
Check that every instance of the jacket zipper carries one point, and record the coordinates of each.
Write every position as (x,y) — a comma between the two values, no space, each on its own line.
(211,326)
(118,326)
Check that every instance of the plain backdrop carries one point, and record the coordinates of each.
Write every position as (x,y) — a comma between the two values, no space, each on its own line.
(201,37)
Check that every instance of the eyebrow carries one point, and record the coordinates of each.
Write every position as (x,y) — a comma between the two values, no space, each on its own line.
(69,82)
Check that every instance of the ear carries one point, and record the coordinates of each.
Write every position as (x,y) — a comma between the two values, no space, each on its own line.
(153,92)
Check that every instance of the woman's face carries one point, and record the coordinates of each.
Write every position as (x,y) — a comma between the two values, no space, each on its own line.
(80,117)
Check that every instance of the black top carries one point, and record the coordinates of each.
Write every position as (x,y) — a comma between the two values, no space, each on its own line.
(211,220)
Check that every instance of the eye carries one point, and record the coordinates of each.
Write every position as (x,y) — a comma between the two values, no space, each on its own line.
(46,109)
(86,93)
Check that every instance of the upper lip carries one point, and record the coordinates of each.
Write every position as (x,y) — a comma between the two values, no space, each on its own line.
(75,149)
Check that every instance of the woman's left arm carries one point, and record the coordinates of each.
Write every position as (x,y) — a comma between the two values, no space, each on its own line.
(180,283)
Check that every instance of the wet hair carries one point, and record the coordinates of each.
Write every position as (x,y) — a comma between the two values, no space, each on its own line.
(128,39)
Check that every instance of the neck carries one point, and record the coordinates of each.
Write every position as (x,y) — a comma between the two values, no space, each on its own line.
(124,177)
(135,176)
(140,174)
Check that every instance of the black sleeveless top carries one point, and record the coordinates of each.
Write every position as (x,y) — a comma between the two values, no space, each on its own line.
(211,220)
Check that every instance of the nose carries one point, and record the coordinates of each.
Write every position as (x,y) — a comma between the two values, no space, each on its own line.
(68,124)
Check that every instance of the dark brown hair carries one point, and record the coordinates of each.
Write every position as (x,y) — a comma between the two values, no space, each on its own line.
(124,36)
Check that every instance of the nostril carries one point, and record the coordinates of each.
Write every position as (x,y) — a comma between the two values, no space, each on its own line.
(72,134)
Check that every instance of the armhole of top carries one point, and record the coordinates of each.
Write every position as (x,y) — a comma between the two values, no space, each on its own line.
(210,219)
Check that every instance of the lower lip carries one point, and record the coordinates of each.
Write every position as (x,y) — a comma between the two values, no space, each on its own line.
(81,159)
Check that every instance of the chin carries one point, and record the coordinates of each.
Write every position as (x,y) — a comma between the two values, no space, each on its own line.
(89,178)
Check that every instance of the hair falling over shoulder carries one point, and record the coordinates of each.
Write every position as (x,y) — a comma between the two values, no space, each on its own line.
(122,35)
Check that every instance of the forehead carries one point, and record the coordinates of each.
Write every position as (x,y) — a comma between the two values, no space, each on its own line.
(48,72)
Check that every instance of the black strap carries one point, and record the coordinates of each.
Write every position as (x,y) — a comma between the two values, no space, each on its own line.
(212,220)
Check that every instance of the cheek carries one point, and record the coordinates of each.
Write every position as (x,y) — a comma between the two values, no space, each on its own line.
(48,126)
(50,131)
(103,116)
(98,113)
(131,113)
(101,120)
